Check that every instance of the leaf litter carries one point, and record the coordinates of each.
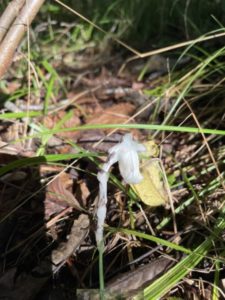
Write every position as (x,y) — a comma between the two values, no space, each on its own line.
(50,190)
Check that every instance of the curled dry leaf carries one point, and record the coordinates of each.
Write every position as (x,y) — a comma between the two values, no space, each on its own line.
(83,192)
(77,235)
(59,196)
(133,281)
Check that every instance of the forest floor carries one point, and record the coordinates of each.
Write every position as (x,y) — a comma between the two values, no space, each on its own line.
(49,189)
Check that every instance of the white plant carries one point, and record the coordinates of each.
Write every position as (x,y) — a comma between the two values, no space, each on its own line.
(126,154)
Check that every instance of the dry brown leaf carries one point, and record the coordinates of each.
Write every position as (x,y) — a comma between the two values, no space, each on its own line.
(12,87)
(115,114)
(77,235)
(83,192)
(66,148)
(59,196)
(133,281)
(6,148)
(12,132)
(85,99)
(51,121)
(118,113)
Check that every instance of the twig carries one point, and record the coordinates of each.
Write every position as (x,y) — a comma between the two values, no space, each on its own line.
(16,33)
(9,15)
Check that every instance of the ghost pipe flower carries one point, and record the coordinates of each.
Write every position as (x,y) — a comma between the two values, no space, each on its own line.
(126,154)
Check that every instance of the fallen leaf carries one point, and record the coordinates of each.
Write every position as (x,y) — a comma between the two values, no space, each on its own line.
(77,235)
(51,121)
(115,114)
(12,86)
(82,192)
(132,281)
(10,149)
(58,195)
(151,189)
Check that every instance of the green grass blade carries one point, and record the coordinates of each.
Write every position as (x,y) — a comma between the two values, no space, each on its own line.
(138,126)
(20,115)
(151,238)
(199,72)
(49,93)
(164,284)
(45,138)
(42,159)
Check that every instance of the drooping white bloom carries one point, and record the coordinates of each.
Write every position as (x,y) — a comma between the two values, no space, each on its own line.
(126,154)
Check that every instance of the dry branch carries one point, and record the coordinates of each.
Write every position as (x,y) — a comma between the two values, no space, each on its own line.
(9,15)
(16,32)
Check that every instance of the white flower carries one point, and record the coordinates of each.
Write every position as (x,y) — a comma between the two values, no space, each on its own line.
(126,153)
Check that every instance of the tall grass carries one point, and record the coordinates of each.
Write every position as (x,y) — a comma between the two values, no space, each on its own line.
(154,23)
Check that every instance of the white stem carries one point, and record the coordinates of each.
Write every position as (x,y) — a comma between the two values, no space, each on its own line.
(126,153)
(102,202)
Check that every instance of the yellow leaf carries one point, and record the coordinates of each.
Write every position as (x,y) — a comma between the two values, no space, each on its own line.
(151,189)
(152,150)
